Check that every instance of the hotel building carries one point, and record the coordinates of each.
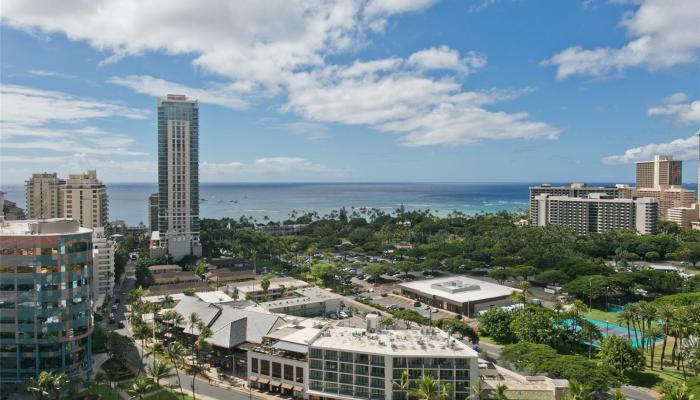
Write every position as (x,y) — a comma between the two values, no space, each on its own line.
(662,172)
(178,175)
(45,298)
(580,190)
(597,213)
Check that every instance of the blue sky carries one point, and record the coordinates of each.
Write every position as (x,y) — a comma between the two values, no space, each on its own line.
(365,90)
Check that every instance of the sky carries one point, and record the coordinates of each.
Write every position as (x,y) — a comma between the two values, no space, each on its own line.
(353,90)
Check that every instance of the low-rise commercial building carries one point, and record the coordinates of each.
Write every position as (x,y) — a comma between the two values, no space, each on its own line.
(253,289)
(311,301)
(520,387)
(350,363)
(164,268)
(459,294)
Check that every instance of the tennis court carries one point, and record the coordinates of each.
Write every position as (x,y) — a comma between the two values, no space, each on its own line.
(608,329)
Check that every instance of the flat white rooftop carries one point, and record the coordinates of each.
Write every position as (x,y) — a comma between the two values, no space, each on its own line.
(459,289)
(415,342)
(39,227)
(214,297)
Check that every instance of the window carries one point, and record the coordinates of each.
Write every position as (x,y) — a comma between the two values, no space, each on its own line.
(289,372)
(276,370)
(300,375)
(264,367)
(254,364)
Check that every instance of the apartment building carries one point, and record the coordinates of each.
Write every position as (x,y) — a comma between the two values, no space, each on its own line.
(84,197)
(581,190)
(44,196)
(596,213)
(45,298)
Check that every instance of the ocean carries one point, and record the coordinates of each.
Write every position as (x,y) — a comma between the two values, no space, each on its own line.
(129,201)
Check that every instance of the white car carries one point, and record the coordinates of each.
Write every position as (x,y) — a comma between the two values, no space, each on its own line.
(343,314)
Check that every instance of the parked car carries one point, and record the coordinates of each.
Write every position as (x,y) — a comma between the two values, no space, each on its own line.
(343,314)
(114,307)
(417,304)
(120,325)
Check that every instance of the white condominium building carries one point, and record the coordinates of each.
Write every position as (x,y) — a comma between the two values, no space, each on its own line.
(103,266)
(351,363)
(596,213)
(178,174)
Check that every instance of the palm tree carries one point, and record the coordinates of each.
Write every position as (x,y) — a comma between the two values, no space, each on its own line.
(175,353)
(618,395)
(430,389)
(402,384)
(667,313)
(139,388)
(634,315)
(677,392)
(476,392)
(201,344)
(193,322)
(655,333)
(578,391)
(624,317)
(500,392)
(141,332)
(47,385)
(592,333)
(265,283)
(159,370)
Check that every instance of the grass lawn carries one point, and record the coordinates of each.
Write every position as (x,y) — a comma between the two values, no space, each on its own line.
(656,378)
(601,315)
(103,392)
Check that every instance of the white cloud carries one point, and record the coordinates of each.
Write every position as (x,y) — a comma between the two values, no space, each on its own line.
(261,41)
(283,53)
(683,149)
(675,98)
(679,113)
(267,167)
(229,96)
(444,58)
(426,110)
(50,74)
(35,119)
(391,7)
(662,35)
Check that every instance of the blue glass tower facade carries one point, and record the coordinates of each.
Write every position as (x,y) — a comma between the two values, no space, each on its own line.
(45,298)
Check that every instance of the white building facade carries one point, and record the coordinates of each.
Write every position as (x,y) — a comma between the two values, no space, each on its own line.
(103,251)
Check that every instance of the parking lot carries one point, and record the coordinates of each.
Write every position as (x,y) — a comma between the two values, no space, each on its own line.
(407,303)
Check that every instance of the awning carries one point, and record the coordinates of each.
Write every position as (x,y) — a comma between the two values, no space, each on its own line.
(287,386)
(275,383)
(253,379)
(298,388)
(263,381)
